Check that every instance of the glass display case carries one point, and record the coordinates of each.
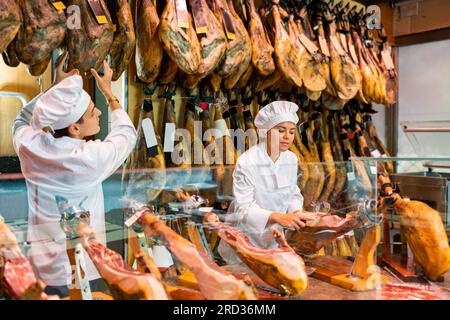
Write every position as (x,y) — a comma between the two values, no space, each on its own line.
(182,205)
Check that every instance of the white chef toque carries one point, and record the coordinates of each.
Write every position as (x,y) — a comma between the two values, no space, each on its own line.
(275,113)
(61,105)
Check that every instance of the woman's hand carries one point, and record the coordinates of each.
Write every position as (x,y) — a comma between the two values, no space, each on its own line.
(287,220)
(308,215)
(60,75)
(104,83)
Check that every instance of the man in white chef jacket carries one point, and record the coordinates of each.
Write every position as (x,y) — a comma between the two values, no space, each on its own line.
(265,186)
(61,162)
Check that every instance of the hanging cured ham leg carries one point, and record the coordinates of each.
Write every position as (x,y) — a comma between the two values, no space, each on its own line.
(180,44)
(89,45)
(262,49)
(9,22)
(213,282)
(124,41)
(281,268)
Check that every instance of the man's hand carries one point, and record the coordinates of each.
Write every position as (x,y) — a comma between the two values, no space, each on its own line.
(60,75)
(104,83)
(287,220)
(307,215)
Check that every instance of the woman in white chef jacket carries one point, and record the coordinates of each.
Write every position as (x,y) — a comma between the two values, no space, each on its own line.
(265,182)
(61,162)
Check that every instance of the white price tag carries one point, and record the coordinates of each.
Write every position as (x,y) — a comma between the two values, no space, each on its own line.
(373,170)
(169,137)
(337,45)
(162,257)
(351,176)
(375,153)
(387,59)
(149,133)
(222,126)
(324,46)
(131,220)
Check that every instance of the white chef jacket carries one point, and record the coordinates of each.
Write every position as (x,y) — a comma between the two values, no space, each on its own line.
(261,187)
(71,168)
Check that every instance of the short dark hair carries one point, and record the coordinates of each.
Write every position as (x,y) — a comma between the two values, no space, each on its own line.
(64,132)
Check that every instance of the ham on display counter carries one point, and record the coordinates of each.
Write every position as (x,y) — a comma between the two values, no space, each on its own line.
(216,63)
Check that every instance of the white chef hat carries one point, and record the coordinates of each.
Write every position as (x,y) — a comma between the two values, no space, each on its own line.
(275,113)
(62,105)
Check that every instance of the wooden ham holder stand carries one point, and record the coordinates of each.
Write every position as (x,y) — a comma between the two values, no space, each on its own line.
(361,275)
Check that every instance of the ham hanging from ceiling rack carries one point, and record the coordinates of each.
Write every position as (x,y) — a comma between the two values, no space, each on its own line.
(344,73)
(89,45)
(10,21)
(213,282)
(149,52)
(43,30)
(238,51)
(246,50)
(280,267)
(262,50)
(286,56)
(311,59)
(180,43)
(124,39)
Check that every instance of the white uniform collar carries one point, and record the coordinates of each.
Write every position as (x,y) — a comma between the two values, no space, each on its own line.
(64,140)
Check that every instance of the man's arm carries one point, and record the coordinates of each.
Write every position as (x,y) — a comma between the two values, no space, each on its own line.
(108,155)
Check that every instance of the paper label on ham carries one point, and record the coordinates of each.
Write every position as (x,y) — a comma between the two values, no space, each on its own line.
(222,126)
(98,11)
(309,45)
(182,13)
(131,220)
(324,46)
(351,176)
(228,24)
(387,59)
(149,133)
(375,153)
(169,137)
(373,170)
(337,45)
(162,257)
(59,5)
(353,53)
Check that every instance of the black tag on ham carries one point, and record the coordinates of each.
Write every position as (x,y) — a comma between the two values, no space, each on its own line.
(98,11)
(228,23)
(152,152)
(226,114)
(147,105)
(247,115)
